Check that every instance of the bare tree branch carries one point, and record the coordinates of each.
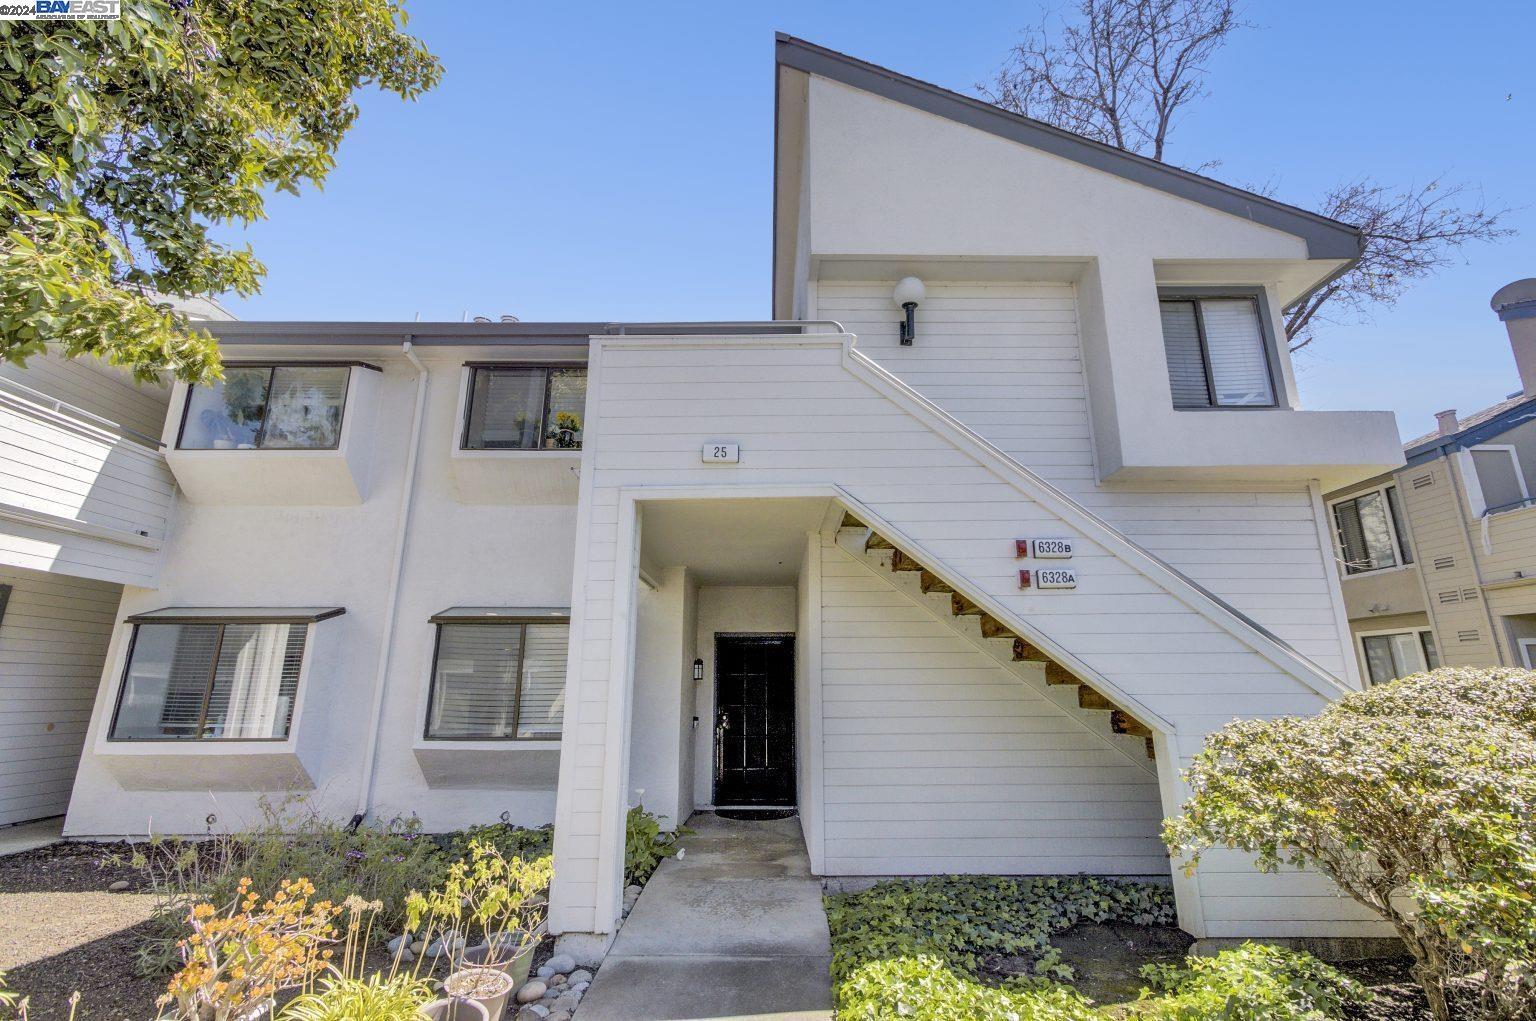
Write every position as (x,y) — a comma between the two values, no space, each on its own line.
(1408,235)
(1123,72)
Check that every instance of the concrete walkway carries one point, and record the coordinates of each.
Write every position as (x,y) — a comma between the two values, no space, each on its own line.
(734,929)
(28,835)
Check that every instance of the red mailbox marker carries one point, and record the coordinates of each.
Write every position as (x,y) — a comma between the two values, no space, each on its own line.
(1021,547)
(1024,578)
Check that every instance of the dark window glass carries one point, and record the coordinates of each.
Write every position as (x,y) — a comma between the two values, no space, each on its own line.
(208,682)
(273,407)
(1396,510)
(526,407)
(497,681)
(1365,533)
(1217,356)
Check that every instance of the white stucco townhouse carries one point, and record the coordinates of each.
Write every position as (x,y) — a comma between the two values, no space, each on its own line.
(966,595)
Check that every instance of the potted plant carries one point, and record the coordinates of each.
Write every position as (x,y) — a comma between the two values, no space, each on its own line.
(496,901)
(566,434)
(489,987)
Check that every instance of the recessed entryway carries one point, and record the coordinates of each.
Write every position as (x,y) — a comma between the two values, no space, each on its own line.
(754,721)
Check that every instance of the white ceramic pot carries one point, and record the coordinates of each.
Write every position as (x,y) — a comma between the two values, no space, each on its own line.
(476,983)
(503,958)
(453,1009)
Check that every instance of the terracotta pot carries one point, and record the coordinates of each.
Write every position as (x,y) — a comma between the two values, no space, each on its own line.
(461,982)
(453,1009)
(487,956)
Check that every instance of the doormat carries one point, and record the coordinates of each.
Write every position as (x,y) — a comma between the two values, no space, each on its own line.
(755,814)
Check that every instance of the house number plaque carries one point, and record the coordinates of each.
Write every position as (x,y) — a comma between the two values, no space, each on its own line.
(1048,578)
(720,453)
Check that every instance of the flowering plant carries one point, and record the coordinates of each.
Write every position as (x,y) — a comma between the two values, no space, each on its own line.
(236,959)
(486,895)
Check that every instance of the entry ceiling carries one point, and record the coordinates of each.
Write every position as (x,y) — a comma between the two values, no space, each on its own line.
(730,542)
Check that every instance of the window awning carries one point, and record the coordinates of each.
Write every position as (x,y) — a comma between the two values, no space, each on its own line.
(238,615)
(503,614)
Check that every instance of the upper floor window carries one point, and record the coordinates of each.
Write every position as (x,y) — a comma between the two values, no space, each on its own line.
(525,407)
(267,407)
(1370,531)
(210,679)
(495,677)
(1498,477)
(1217,354)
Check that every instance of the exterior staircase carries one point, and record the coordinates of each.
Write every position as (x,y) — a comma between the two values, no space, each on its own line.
(1029,663)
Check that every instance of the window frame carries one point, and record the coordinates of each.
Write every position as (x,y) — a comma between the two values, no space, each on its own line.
(1480,503)
(1416,630)
(439,622)
(272,367)
(469,405)
(307,622)
(1267,335)
(1401,552)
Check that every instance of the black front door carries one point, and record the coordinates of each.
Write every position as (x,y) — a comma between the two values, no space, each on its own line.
(755,720)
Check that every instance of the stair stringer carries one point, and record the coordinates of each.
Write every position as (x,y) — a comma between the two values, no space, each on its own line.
(1132,748)
(959,581)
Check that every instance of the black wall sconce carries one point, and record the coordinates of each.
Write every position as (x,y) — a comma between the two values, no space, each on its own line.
(909,294)
(698,669)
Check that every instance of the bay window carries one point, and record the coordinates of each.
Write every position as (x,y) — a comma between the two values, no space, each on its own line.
(525,407)
(498,675)
(1218,356)
(1370,532)
(210,678)
(267,407)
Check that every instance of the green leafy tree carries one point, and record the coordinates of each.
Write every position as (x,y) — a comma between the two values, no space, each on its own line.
(1418,798)
(123,143)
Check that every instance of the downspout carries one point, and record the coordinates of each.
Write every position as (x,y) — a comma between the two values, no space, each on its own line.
(392,598)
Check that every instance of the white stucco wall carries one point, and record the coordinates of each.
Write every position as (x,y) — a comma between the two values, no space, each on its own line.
(456,554)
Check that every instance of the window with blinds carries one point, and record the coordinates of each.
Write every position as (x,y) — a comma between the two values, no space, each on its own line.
(1217,356)
(210,682)
(1370,532)
(525,407)
(498,680)
(267,407)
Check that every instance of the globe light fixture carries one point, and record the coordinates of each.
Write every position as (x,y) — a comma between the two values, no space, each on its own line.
(909,293)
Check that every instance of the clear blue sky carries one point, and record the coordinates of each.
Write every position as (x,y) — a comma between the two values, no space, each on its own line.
(614,161)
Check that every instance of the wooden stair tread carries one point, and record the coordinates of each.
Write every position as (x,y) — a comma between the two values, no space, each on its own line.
(902,562)
(1055,673)
(991,627)
(1087,698)
(1023,652)
(1122,722)
(877,541)
(849,521)
(963,607)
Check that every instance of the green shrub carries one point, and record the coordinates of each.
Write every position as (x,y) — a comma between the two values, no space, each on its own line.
(1416,798)
(910,948)
(508,840)
(645,845)
(1251,983)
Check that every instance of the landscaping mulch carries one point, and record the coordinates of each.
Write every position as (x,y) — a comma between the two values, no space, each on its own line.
(62,932)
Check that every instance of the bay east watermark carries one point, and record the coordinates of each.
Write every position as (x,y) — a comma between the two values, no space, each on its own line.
(60,10)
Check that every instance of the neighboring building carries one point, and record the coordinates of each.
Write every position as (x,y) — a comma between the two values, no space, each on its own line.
(461,570)
(1439,556)
(85,505)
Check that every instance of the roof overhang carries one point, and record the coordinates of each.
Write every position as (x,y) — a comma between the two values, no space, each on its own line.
(1334,245)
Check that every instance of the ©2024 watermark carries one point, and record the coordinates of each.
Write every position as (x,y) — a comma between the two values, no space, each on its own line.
(60,10)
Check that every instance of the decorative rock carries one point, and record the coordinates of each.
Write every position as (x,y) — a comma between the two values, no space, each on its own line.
(419,946)
(579,976)
(580,987)
(533,1012)
(631,890)
(557,980)
(119,886)
(558,1015)
(398,943)
(532,991)
(561,964)
(567,1002)
(544,971)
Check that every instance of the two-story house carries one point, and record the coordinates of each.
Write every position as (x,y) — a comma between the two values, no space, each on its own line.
(1439,556)
(960,556)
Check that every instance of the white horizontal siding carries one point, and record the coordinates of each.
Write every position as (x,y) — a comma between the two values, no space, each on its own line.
(53,643)
(938,759)
(1004,358)
(92,386)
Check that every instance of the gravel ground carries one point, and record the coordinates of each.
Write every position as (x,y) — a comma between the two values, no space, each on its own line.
(63,932)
